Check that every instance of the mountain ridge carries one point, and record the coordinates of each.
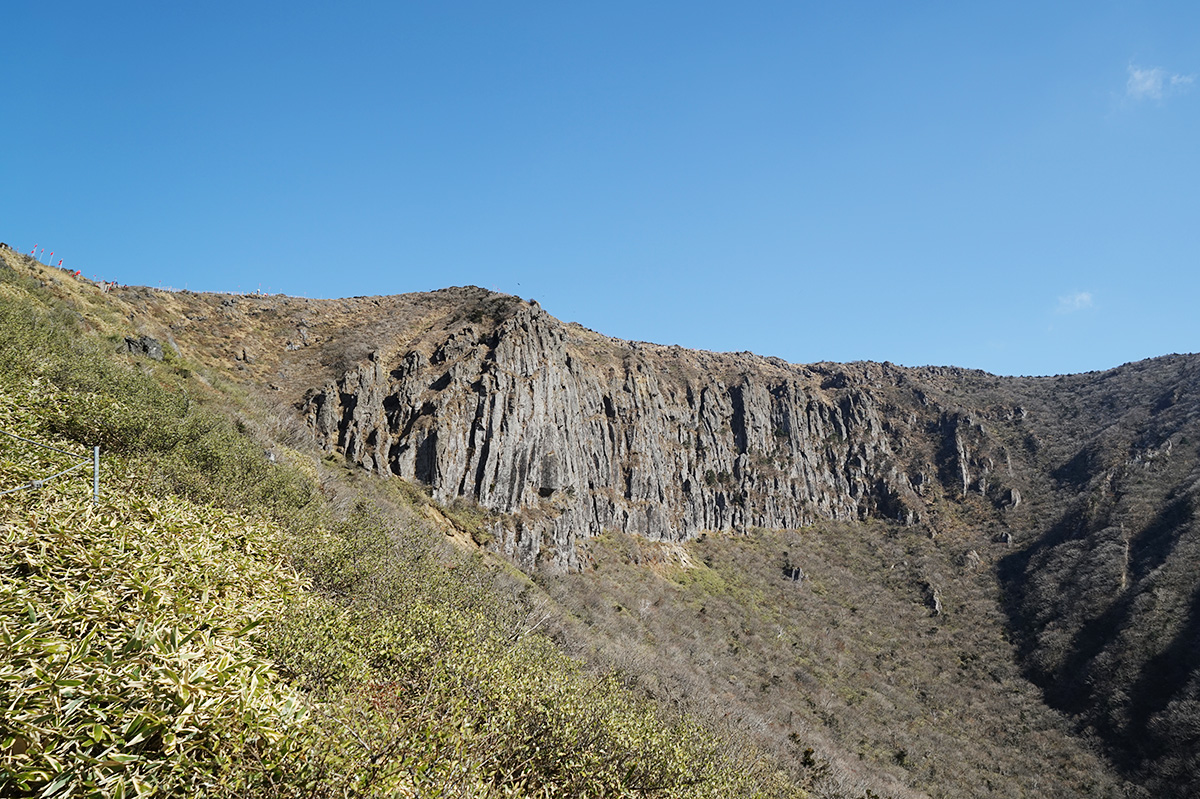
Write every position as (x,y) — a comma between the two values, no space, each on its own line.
(566,434)
(1080,491)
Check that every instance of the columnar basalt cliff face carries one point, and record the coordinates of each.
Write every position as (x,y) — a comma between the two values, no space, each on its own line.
(572,433)
(1083,487)
(1083,490)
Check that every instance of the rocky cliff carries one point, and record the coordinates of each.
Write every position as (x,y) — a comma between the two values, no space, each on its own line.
(1082,490)
(1089,482)
(568,433)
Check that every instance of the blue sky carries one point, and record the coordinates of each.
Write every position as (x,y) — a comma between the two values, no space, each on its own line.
(1005,186)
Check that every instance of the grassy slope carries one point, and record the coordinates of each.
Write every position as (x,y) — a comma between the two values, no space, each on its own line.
(131,658)
(384,663)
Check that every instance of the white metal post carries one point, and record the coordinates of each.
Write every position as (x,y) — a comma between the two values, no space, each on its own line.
(95,475)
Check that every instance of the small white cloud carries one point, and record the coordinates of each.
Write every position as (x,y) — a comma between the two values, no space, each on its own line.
(1155,83)
(1144,83)
(1070,303)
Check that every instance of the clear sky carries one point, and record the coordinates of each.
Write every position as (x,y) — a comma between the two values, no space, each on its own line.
(1011,186)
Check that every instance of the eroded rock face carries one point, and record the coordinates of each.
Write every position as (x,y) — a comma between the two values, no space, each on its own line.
(573,434)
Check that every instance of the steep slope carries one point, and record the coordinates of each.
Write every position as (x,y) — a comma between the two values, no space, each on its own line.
(1081,487)
(574,434)
(286,645)
(1106,597)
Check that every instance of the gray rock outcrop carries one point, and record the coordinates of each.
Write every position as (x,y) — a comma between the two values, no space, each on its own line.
(569,433)
(144,345)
